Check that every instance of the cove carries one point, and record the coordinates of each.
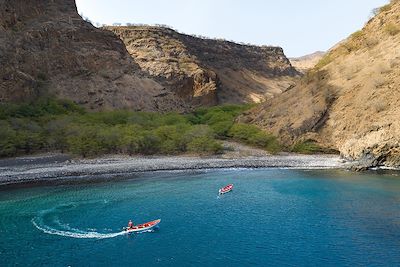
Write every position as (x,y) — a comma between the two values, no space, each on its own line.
(273,217)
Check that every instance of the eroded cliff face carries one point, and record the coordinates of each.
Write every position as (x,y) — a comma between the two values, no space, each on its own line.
(46,48)
(208,72)
(351,100)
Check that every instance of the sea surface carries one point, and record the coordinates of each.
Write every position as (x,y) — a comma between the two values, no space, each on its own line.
(274,217)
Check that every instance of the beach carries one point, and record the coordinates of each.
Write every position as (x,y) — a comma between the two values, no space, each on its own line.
(59,167)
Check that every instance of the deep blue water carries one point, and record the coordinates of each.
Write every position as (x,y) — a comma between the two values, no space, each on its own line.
(272,218)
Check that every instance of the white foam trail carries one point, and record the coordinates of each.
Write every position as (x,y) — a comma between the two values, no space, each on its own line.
(69,231)
(80,234)
(65,226)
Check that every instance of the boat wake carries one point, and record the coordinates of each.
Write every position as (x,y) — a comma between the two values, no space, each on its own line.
(74,234)
(56,227)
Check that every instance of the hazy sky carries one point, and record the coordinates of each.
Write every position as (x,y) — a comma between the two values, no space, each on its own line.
(299,26)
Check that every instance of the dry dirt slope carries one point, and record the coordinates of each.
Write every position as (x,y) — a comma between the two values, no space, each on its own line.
(206,71)
(351,100)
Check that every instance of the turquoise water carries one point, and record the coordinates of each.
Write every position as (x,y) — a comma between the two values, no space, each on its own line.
(272,218)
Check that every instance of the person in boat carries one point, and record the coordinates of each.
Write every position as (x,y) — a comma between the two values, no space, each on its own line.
(130,224)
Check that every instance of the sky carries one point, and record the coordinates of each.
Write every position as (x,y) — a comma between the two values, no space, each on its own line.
(301,27)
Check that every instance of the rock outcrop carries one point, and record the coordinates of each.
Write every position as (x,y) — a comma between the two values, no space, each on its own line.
(205,71)
(46,48)
(351,100)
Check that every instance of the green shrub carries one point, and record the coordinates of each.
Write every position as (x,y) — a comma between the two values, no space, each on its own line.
(144,119)
(221,128)
(220,118)
(150,144)
(170,119)
(171,141)
(7,140)
(216,114)
(307,147)
(56,132)
(60,125)
(132,137)
(107,117)
(266,141)
(253,135)
(29,142)
(29,135)
(41,107)
(83,141)
(198,131)
(109,139)
(58,107)
(204,145)
(27,110)
(243,131)
(219,121)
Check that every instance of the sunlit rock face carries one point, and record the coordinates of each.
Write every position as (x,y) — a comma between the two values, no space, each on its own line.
(46,48)
(206,71)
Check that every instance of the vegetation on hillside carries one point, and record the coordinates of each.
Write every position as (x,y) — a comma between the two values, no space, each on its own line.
(310,146)
(252,135)
(59,125)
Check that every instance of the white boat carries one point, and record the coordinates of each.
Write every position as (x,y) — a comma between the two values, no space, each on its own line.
(226,189)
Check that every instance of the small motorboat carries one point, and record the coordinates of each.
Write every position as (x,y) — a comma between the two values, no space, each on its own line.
(142,227)
(226,189)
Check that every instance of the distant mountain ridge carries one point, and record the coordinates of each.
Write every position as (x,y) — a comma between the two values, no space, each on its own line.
(307,62)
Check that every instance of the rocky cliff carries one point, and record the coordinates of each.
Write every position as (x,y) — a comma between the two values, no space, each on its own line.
(205,71)
(351,100)
(46,48)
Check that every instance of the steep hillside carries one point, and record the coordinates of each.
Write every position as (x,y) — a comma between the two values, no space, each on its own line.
(351,100)
(46,48)
(307,62)
(207,71)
